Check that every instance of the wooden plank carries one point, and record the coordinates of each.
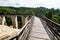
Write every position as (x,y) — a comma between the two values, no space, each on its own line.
(38,32)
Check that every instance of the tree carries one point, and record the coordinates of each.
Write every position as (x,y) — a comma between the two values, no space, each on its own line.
(56,18)
(49,14)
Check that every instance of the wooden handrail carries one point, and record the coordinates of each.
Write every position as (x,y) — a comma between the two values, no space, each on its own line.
(24,31)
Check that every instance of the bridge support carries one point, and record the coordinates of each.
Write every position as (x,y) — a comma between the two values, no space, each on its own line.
(26,18)
(3,20)
(23,20)
(14,22)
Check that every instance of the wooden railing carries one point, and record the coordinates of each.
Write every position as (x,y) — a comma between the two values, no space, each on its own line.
(23,33)
(53,26)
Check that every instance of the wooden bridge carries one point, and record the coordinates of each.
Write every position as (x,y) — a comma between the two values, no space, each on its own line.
(34,28)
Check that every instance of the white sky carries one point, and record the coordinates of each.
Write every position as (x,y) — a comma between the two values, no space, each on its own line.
(31,3)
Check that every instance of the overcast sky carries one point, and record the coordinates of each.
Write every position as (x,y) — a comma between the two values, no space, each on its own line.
(31,3)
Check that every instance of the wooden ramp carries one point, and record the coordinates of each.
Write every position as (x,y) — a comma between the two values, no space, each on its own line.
(38,32)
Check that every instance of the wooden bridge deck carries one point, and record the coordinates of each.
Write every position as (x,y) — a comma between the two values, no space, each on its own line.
(38,32)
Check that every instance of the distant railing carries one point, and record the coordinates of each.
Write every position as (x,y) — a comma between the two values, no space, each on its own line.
(23,33)
(53,26)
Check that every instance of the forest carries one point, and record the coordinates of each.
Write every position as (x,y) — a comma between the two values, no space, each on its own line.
(53,14)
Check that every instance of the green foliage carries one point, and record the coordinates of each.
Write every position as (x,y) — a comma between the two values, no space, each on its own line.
(49,15)
(8,20)
(19,22)
(56,18)
(53,14)
(5,10)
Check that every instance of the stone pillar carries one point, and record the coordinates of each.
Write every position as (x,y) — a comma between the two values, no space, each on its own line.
(23,20)
(14,22)
(26,18)
(4,20)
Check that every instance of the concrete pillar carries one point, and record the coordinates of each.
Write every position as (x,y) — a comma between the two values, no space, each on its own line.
(14,22)
(23,20)
(26,18)
(4,20)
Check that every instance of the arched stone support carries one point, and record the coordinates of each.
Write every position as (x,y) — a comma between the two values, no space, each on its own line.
(14,22)
(26,18)
(23,20)
(3,20)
